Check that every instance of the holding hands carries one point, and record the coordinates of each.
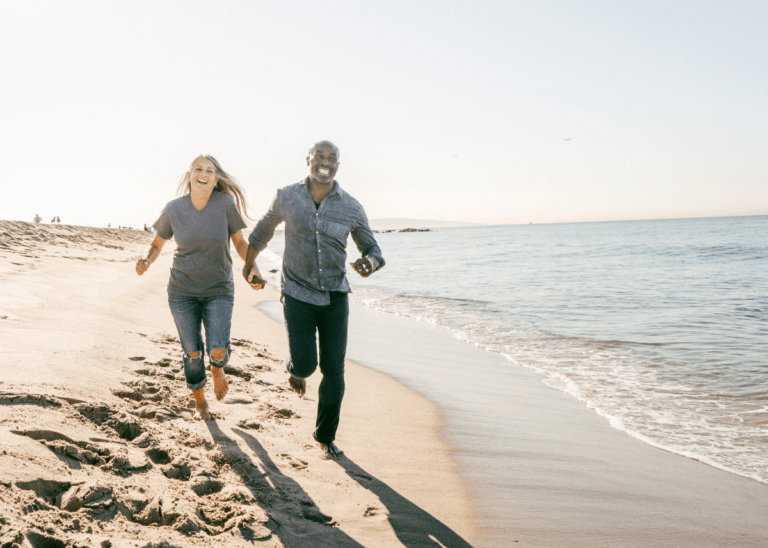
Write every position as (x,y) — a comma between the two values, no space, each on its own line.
(253,276)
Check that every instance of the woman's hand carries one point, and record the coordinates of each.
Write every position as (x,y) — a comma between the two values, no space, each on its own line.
(251,271)
(253,276)
(150,255)
(142,265)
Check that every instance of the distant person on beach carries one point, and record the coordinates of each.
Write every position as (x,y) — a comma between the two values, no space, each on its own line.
(207,215)
(38,218)
(58,221)
(318,217)
(53,220)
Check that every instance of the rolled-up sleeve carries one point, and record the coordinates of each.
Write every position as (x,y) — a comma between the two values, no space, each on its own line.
(265,228)
(364,240)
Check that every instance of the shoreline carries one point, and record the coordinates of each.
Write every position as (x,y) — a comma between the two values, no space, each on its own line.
(92,372)
(545,469)
(427,477)
(99,445)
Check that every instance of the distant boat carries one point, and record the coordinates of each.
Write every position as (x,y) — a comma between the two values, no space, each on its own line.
(568,139)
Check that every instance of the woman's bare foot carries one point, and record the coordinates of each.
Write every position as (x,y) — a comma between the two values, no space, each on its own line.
(201,406)
(201,412)
(299,385)
(330,450)
(220,384)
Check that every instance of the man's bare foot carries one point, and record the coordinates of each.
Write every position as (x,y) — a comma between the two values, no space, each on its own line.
(299,385)
(330,450)
(220,384)
(201,412)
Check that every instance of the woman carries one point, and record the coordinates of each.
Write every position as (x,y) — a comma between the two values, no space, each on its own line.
(207,215)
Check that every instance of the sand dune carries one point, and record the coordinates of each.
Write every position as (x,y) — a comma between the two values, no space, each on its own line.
(99,448)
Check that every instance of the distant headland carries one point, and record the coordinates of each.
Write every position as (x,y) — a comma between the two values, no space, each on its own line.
(398,224)
(403,230)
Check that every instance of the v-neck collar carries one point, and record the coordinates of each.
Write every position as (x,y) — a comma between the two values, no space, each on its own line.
(206,203)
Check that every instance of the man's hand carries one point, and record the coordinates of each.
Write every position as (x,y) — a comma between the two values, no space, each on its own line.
(253,276)
(142,265)
(363,267)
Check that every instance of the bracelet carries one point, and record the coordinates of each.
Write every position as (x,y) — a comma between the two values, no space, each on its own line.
(374,263)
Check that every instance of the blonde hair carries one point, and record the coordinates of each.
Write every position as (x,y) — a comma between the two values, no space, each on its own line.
(225,183)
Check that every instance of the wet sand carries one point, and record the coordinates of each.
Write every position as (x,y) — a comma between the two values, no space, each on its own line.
(98,444)
(546,471)
(99,449)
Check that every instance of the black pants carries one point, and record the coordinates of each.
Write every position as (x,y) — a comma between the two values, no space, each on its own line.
(302,321)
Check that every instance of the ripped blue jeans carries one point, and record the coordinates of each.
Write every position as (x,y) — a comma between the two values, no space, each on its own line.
(190,315)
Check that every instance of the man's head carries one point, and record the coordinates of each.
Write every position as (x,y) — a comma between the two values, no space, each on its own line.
(323,162)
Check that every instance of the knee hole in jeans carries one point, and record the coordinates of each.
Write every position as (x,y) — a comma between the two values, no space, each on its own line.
(219,353)
(194,355)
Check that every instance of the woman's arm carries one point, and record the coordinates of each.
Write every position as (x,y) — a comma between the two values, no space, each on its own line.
(249,268)
(241,246)
(152,252)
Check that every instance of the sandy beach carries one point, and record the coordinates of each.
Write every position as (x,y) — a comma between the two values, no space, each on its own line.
(98,444)
(99,448)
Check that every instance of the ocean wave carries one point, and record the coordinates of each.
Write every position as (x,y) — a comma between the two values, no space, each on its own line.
(634,385)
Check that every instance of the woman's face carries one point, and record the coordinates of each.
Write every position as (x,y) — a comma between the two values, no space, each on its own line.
(202,176)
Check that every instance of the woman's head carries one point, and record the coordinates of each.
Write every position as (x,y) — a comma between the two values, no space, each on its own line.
(204,172)
(202,175)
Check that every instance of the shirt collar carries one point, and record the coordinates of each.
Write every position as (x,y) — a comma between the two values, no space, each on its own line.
(336,187)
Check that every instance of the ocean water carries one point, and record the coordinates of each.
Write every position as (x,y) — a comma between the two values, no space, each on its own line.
(659,326)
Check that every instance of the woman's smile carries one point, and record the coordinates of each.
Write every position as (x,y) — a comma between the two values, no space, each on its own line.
(203,176)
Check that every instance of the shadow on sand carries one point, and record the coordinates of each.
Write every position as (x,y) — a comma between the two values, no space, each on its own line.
(298,523)
(412,525)
(294,517)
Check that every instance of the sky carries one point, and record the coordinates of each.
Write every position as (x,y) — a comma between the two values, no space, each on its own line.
(474,111)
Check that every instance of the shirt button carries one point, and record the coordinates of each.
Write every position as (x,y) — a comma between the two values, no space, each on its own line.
(321,270)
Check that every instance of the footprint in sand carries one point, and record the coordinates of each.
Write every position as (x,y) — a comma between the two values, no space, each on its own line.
(285,413)
(146,473)
(237,372)
(299,464)
(238,398)
(62,444)
(250,424)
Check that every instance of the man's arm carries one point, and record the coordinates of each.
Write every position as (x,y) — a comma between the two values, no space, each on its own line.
(265,228)
(372,259)
(251,271)
(258,240)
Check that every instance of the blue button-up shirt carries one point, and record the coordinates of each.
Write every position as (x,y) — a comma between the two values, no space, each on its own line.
(315,240)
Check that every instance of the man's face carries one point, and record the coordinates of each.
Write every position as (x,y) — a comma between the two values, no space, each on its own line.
(323,162)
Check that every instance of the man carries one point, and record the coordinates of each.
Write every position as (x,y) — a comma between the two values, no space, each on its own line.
(318,217)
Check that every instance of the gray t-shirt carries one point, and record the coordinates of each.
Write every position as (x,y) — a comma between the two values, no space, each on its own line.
(202,265)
